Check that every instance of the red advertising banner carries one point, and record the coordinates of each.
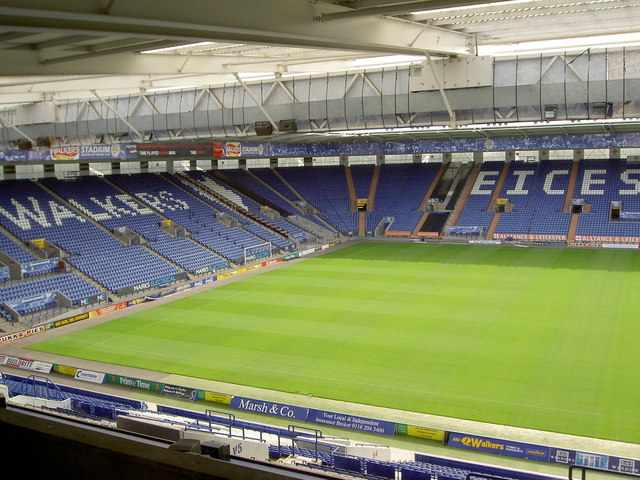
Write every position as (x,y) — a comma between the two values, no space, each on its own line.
(109,309)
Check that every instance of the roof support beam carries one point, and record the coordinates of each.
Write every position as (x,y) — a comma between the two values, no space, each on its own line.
(10,125)
(117,114)
(445,99)
(256,101)
(272,22)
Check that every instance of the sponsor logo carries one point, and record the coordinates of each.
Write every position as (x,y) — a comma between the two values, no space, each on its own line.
(479,443)
(22,334)
(160,282)
(65,153)
(233,149)
(268,408)
(89,376)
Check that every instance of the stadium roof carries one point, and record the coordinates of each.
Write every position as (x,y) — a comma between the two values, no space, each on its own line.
(59,50)
(68,50)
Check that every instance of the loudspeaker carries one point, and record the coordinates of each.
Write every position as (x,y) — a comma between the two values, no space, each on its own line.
(288,126)
(24,145)
(217,450)
(264,128)
(43,142)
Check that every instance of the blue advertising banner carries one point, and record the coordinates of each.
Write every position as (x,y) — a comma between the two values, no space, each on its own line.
(36,302)
(269,408)
(39,267)
(352,422)
(204,281)
(24,156)
(255,149)
(594,460)
(499,446)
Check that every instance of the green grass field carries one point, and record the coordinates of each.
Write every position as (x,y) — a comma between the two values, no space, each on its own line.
(545,338)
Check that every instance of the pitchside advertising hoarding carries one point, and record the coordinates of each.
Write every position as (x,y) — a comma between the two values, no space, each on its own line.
(498,446)
(352,422)
(542,453)
(322,417)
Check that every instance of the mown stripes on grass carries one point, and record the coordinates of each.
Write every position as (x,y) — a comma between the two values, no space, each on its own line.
(542,338)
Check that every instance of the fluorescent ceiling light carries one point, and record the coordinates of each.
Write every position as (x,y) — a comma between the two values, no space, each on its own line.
(300,74)
(179,47)
(386,60)
(481,126)
(562,45)
(505,4)
(166,89)
(251,76)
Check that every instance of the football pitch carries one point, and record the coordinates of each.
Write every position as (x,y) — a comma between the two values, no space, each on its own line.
(543,338)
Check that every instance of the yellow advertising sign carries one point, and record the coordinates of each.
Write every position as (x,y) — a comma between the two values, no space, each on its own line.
(423,432)
(71,371)
(218,397)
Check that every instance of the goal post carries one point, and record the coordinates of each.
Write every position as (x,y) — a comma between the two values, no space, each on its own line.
(254,252)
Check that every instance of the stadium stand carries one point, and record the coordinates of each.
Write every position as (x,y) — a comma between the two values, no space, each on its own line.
(16,252)
(31,212)
(475,211)
(537,192)
(28,297)
(115,209)
(601,182)
(399,193)
(287,232)
(198,213)
(325,188)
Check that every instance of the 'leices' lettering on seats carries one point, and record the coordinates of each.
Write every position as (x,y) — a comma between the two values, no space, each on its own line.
(593,182)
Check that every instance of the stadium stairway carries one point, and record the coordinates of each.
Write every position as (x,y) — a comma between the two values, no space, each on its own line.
(498,188)
(352,189)
(371,198)
(465,195)
(492,226)
(427,196)
(573,227)
(288,185)
(494,197)
(362,223)
(573,177)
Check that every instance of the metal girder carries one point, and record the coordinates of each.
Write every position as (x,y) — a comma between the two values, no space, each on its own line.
(117,114)
(272,22)
(7,124)
(257,102)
